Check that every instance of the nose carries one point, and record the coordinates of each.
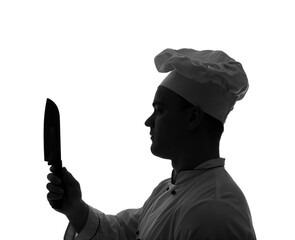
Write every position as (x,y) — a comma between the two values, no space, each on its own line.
(149,121)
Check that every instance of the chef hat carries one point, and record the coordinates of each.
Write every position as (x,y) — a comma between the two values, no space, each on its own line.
(209,79)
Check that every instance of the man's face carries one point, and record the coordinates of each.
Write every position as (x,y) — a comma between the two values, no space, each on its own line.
(168,124)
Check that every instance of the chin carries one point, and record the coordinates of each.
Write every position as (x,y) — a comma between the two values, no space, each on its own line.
(159,152)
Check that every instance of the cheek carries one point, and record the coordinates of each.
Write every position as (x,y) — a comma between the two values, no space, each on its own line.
(161,124)
(167,128)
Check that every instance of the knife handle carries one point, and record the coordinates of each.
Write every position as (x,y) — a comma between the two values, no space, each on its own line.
(57,204)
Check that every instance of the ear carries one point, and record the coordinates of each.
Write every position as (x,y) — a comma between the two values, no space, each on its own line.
(195,117)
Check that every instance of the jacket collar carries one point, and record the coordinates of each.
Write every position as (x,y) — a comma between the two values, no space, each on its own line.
(183,175)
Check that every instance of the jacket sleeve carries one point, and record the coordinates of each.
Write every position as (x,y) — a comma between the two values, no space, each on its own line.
(100,226)
(215,220)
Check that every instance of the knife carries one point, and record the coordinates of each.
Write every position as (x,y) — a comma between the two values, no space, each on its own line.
(52,149)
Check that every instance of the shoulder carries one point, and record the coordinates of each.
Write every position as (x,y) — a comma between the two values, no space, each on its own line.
(160,188)
(211,211)
(213,218)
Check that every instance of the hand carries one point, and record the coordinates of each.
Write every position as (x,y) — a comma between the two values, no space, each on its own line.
(68,191)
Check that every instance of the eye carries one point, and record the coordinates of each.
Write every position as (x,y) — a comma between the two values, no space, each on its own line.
(157,110)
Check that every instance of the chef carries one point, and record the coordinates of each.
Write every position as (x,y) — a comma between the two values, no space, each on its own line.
(200,201)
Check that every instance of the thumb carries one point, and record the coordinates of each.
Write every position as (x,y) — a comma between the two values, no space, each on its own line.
(64,170)
(68,177)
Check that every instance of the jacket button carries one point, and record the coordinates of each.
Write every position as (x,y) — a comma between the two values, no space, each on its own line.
(167,188)
(173,192)
(137,232)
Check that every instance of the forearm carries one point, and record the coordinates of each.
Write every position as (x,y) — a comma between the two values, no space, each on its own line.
(78,218)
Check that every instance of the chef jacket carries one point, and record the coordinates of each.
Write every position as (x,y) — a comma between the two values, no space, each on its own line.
(198,204)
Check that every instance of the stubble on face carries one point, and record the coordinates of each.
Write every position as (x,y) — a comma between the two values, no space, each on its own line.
(166,124)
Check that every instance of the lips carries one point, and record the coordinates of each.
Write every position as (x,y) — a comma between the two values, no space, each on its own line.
(152,136)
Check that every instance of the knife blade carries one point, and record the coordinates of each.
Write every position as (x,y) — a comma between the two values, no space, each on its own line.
(52,148)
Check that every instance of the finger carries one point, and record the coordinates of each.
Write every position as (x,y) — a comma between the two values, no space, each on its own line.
(54,179)
(52,196)
(54,189)
(52,168)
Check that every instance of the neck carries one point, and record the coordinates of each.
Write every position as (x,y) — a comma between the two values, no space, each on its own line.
(193,156)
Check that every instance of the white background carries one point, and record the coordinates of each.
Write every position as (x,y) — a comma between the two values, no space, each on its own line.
(95,60)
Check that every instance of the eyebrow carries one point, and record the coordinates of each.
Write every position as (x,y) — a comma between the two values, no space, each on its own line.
(157,103)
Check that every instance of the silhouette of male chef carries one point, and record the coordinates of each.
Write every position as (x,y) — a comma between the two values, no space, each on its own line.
(200,201)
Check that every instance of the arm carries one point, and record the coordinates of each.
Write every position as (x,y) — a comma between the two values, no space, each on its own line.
(122,226)
(79,217)
(73,207)
(88,222)
(215,220)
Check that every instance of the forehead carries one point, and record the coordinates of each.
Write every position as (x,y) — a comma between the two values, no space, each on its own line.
(167,97)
